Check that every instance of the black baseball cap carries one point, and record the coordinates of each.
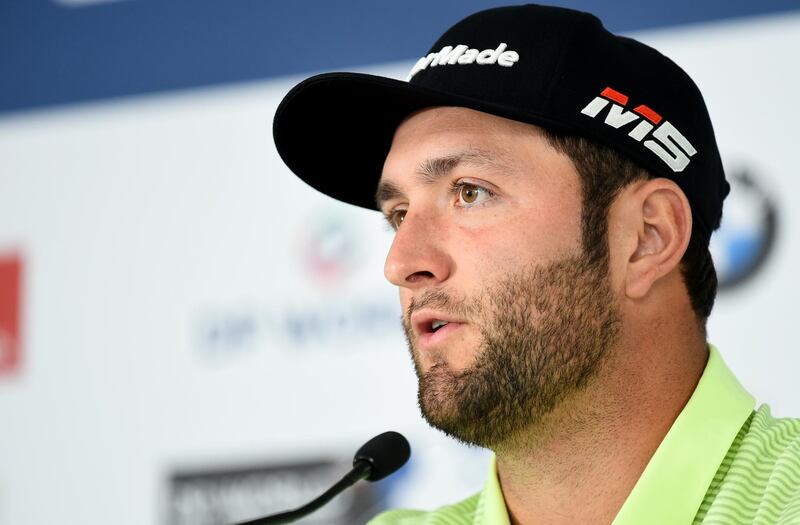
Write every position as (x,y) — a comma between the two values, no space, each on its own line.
(556,68)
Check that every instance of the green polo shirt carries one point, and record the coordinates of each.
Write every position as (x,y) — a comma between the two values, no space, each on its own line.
(721,462)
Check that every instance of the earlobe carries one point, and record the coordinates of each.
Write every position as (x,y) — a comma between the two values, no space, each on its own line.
(664,225)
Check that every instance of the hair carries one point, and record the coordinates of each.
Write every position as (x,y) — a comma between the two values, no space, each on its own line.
(604,173)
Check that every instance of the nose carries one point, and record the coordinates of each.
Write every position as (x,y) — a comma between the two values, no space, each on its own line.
(418,256)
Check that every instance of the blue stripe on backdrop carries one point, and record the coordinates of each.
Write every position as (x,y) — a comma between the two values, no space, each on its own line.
(55,52)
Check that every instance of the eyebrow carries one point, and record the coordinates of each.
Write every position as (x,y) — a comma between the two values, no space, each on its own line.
(431,170)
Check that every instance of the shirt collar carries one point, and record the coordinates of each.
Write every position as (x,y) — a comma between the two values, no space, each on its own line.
(675,481)
(491,509)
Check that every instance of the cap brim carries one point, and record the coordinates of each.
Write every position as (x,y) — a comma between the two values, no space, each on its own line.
(334,130)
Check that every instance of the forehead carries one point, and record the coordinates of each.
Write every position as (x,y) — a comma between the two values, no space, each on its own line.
(434,137)
(446,127)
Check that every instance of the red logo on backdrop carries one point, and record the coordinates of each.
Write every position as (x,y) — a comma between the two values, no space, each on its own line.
(10,300)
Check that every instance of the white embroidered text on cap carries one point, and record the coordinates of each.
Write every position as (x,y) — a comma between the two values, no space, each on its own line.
(463,54)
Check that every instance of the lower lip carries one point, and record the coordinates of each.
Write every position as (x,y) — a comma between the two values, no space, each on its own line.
(429,339)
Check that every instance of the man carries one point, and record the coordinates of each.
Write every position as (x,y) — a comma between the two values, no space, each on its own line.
(553,188)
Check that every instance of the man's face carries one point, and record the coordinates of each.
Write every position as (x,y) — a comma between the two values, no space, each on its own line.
(504,315)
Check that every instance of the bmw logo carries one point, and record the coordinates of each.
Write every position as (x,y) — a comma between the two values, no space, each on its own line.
(746,236)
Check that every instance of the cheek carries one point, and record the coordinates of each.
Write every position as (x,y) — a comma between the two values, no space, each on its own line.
(527,237)
(405,299)
(553,229)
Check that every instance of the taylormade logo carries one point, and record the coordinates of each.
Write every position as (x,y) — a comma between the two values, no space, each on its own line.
(463,54)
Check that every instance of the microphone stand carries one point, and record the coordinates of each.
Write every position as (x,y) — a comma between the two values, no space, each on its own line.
(361,470)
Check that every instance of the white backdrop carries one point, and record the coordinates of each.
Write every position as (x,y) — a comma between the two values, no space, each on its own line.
(188,304)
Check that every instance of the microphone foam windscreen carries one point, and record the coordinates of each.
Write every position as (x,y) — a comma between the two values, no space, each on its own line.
(386,453)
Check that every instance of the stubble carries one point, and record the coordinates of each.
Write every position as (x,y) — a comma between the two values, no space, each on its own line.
(545,333)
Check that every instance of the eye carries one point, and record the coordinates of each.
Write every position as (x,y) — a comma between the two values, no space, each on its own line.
(396,217)
(469,194)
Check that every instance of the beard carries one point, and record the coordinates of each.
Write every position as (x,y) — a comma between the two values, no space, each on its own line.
(545,332)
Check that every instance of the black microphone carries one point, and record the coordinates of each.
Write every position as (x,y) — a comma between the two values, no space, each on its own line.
(376,459)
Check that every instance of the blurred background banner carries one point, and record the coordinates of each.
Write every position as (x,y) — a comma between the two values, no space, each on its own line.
(189,334)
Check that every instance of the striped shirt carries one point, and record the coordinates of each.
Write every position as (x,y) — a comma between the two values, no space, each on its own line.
(720,463)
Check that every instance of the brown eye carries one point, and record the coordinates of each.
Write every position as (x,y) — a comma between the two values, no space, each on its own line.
(469,193)
(396,218)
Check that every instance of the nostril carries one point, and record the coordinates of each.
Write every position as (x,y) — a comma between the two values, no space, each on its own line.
(418,276)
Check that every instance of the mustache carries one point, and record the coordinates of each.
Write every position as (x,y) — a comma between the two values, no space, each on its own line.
(441,300)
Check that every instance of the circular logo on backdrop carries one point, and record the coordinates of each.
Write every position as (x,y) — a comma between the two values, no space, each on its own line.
(329,248)
(746,236)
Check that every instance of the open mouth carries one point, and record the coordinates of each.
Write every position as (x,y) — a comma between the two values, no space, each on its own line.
(433,327)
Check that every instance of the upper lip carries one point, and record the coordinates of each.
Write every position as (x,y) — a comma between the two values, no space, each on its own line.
(422,319)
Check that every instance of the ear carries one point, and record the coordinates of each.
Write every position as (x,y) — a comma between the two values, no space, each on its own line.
(663,225)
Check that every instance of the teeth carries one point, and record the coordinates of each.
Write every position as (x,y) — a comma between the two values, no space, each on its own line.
(435,325)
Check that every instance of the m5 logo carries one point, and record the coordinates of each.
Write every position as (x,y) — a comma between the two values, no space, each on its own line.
(665,140)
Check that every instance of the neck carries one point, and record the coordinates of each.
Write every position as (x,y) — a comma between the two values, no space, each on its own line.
(579,464)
